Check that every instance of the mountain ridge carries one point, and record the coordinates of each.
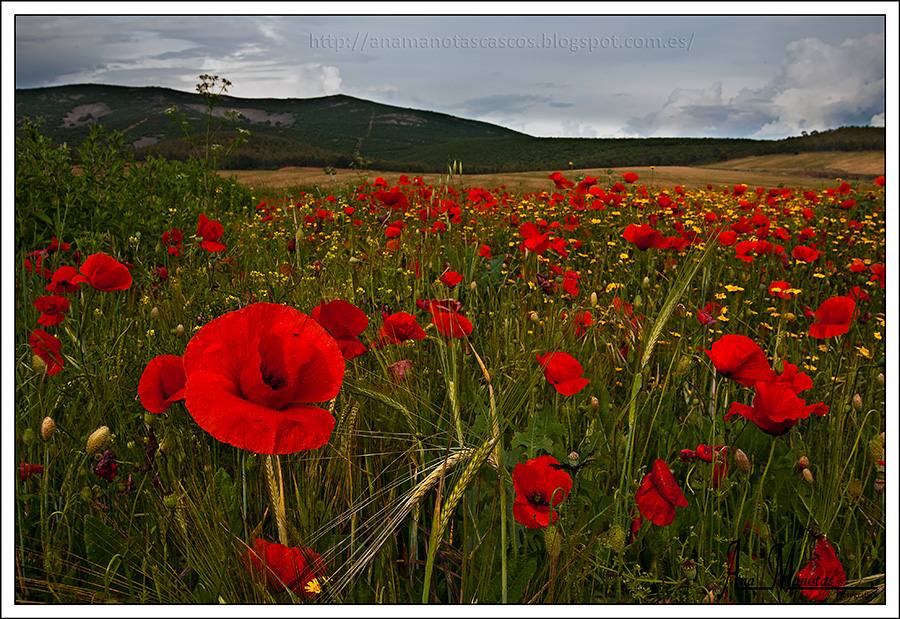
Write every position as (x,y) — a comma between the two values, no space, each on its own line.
(342,131)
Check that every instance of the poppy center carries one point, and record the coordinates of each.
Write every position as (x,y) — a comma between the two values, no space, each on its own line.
(537,498)
(273,377)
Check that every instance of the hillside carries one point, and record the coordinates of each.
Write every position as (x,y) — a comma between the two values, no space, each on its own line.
(341,131)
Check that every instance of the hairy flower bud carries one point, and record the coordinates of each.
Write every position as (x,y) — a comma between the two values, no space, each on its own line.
(154,313)
(802,462)
(533,316)
(48,428)
(857,402)
(179,329)
(595,402)
(97,440)
(594,299)
(807,476)
(553,541)
(742,461)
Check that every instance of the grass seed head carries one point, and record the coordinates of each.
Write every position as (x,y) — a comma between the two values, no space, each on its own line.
(98,439)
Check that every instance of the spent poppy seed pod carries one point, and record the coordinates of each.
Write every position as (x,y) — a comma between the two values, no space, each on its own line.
(154,313)
(807,476)
(802,462)
(857,402)
(594,299)
(97,440)
(48,428)
(179,329)
(533,316)
(742,461)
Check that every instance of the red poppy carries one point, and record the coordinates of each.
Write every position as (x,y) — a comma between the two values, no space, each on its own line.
(451,278)
(779,288)
(533,240)
(251,374)
(823,574)
(833,317)
(540,486)
(880,181)
(61,281)
(563,371)
(47,347)
(741,359)
(172,239)
(449,322)
(644,236)
(583,320)
(629,177)
(561,181)
(659,495)
(707,315)
(484,251)
(776,408)
(344,321)
(858,294)
(210,231)
(162,383)
(802,253)
(878,274)
(104,273)
(26,470)
(284,568)
(400,327)
(52,308)
(794,378)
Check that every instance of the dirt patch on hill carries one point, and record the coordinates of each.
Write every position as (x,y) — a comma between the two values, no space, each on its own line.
(252,114)
(84,114)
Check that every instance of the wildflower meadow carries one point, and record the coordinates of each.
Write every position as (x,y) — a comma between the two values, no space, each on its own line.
(395,390)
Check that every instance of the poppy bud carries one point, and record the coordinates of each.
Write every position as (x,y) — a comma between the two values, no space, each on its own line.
(802,462)
(28,436)
(533,316)
(595,403)
(857,402)
(807,476)
(593,299)
(645,284)
(154,313)
(38,364)
(743,461)
(179,329)
(574,457)
(48,427)
(473,286)
(97,440)
(553,541)
(881,379)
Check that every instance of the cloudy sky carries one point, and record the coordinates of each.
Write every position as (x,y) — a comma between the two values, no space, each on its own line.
(574,76)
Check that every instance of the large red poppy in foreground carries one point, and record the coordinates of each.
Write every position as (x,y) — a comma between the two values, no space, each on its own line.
(345,322)
(252,374)
(540,487)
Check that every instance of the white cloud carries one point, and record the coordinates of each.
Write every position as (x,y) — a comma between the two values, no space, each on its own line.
(819,86)
(877,120)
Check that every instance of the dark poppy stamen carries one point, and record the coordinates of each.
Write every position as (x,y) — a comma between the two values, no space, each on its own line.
(537,498)
(273,377)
